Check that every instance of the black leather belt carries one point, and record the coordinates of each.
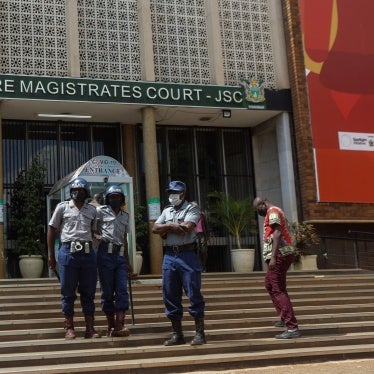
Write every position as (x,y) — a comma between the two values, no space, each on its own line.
(114,248)
(180,248)
(78,245)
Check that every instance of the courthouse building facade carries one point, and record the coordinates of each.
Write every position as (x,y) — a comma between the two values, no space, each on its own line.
(210,92)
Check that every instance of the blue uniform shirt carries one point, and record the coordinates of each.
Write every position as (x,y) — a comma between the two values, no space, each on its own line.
(189,212)
(74,223)
(112,227)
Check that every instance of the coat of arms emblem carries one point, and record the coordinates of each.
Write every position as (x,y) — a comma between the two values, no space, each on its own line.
(254,91)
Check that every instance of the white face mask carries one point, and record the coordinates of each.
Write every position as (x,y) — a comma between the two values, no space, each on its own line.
(174,199)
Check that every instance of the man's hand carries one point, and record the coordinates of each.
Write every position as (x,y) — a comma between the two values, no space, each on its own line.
(52,262)
(177,228)
(97,236)
(272,263)
(165,228)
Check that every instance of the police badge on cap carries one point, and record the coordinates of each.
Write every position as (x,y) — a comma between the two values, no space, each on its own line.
(176,186)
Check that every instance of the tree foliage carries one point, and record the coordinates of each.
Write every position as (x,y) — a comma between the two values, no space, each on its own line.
(27,207)
(141,226)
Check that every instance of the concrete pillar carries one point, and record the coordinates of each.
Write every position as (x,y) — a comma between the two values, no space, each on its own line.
(214,42)
(152,186)
(149,136)
(128,152)
(2,254)
(145,39)
(72,38)
(286,169)
(278,43)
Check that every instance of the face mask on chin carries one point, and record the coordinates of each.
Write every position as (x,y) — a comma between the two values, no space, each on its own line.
(175,199)
(261,213)
(79,196)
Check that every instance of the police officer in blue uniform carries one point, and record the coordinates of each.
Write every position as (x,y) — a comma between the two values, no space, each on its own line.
(113,260)
(181,268)
(75,219)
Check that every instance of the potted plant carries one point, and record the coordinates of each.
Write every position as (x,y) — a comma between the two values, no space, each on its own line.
(305,240)
(27,207)
(238,218)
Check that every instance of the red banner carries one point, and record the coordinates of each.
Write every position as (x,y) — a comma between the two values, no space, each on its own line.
(339,55)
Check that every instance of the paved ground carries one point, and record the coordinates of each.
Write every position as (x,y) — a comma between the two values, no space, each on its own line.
(332,367)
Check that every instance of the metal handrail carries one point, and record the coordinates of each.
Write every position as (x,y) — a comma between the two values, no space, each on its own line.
(357,260)
(360,232)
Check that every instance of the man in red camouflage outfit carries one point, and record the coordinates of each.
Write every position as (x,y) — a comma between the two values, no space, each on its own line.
(275,236)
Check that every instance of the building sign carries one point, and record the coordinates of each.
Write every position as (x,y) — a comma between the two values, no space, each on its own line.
(352,141)
(249,94)
(154,209)
(115,91)
(102,166)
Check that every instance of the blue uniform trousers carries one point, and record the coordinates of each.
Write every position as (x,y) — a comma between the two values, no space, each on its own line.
(182,271)
(113,270)
(77,270)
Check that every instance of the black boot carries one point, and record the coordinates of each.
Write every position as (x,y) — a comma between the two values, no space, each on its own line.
(199,337)
(177,338)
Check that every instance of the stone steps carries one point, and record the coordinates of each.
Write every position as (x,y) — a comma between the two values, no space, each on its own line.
(179,362)
(156,334)
(335,310)
(81,353)
(227,319)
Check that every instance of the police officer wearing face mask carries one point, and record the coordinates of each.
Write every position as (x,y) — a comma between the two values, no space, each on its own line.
(113,260)
(75,219)
(181,268)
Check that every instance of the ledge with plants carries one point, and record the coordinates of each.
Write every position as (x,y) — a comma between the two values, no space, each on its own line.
(305,239)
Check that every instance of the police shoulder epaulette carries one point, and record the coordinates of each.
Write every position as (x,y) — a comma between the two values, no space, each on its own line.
(192,205)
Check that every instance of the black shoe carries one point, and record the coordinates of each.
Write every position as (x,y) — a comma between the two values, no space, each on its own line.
(288,334)
(198,339)
(175,340)
(280,324)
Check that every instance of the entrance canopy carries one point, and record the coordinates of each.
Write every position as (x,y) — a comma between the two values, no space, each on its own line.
(100,172)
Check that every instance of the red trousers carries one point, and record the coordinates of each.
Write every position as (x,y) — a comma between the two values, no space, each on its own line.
(275,284)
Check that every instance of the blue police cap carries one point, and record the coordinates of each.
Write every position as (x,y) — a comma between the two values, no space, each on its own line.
(176,186)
